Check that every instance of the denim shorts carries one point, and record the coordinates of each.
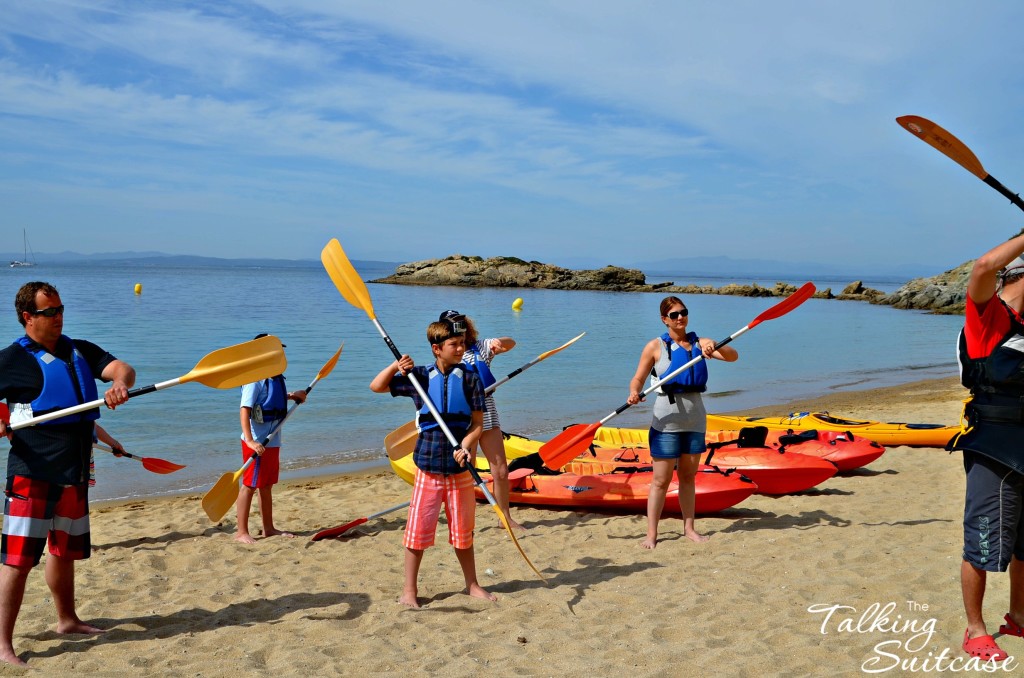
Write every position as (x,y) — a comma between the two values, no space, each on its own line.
(666,445)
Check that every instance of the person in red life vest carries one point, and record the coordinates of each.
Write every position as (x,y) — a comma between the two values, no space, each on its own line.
(47,493)
(680,421)
(991,355)
(264,403)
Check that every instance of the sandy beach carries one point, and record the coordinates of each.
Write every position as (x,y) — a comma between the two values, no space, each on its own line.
(180,597)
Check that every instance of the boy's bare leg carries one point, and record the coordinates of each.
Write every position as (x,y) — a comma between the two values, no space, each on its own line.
(413,558)
(242,506)
(267,511)
(468,562)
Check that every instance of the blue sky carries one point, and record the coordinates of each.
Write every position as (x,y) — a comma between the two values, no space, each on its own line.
(614,132)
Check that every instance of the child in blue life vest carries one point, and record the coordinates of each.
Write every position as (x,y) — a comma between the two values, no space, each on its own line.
(264,403)
(441,475)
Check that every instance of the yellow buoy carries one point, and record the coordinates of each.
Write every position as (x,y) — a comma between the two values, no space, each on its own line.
(138,288)
(517,305)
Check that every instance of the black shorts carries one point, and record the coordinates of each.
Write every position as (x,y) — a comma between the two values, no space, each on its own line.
(993,513)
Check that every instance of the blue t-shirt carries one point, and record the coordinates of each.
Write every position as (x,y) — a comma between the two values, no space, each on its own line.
(253,393)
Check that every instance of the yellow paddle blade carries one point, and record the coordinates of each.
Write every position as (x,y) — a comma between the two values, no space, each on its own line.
(345,277)
(504,522)
(935,136)
(221,497)
(548,354)
(240,364)
(329,365)
(401,442)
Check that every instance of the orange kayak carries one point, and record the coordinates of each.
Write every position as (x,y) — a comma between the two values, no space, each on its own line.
(845,450)
(606,486)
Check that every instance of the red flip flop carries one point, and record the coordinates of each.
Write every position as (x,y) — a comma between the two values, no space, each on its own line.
(1011,628)
(983,647)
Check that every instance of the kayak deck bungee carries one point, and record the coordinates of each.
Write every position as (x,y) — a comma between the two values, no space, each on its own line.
(846,450)
(889,434)
(585,484)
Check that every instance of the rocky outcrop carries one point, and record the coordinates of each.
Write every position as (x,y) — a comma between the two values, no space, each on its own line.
(944,293)
(462,271)
(469,271)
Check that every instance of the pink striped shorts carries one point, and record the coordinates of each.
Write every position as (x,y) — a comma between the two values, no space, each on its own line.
(429,492)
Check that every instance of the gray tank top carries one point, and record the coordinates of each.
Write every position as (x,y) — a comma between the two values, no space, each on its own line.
(686,414)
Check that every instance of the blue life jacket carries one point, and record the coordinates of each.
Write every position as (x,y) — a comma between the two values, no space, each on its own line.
(481,367)
(275,404)
(691,380)
(64,384)
(448,395)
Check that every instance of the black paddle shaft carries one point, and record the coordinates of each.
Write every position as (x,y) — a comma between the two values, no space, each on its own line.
(1004,191)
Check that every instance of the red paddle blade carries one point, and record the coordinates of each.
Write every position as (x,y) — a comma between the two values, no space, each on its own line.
(160,465)
(786,305)
(567,445)
(336,531)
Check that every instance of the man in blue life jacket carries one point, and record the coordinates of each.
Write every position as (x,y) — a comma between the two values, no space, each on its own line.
(47,497)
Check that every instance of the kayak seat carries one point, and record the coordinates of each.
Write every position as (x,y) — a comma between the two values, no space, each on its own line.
(752,436)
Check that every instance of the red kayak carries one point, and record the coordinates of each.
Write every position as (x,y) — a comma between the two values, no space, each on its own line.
(846,451)
(842,448)
(774,471)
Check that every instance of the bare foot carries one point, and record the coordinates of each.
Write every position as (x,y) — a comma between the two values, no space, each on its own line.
(9,657)
(245,539)
(279,533)
(516,526)
(649,543)
(78,626)
(409,600)
(696,536)
(478,591)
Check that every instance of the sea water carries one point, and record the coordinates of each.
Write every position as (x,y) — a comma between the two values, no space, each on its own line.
(183,313)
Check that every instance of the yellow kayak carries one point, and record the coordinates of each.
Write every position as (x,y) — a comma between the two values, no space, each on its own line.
(888,434)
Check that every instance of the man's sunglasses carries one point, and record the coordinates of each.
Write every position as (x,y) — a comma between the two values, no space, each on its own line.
(51,312)
(676,315)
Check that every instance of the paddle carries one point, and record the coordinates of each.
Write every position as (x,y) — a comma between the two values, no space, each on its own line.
(402,441)
(149,463)
(224,368)
(576,439)
(341,529)
(224,492)
(933,135)
(353,289)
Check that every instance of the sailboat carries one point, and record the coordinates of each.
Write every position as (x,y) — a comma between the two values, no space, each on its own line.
(26,261)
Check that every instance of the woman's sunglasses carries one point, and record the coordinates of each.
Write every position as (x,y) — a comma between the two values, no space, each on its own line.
(676,315)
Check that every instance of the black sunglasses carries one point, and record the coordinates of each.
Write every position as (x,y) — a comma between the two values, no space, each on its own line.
(676,315)
(51,312)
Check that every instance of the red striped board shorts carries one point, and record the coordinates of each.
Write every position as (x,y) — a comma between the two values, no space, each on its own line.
(37,512)
(265,469)
(429,492)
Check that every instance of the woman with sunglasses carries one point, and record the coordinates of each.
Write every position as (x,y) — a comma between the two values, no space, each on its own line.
(478,356)
(680,420)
